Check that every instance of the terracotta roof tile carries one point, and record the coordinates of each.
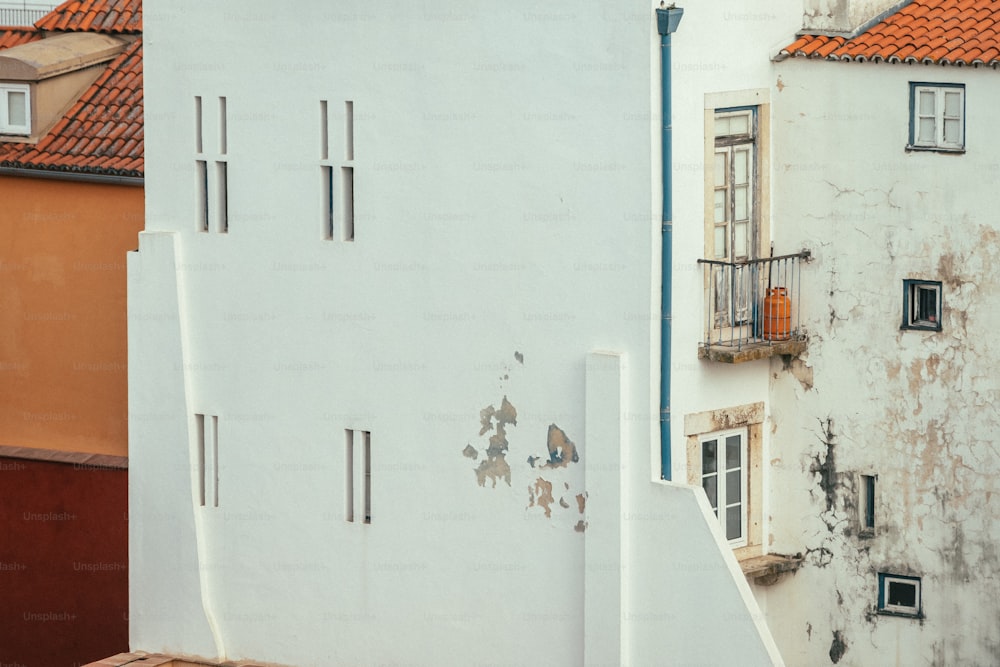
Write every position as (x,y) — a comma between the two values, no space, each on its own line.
(101,134)
(16,36)
(947,32)
(115,16)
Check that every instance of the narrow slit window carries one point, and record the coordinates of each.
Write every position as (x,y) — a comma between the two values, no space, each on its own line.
(215,461)
(202,185)
(348,130)
(349,481)
(367,440)
(347,199)
(868,502)
(223,138)
(198,126)
(324,131)
(200,455)
(327,188)
(222,169)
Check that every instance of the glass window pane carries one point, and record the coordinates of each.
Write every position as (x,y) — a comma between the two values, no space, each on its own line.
(740,239)
(720,243)
(720,206)
(733,487)
(709,457)
(742,210)
(926,130)
(952,104)
(739,124)
(734,523)
(721,127)
(952,130)
(711,486)
(17,108)
(720,169)
(902,594)
(741,160)
(926,107)
(926,304)
(733,458)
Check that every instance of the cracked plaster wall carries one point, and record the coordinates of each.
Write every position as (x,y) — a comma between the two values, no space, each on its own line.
(916,408)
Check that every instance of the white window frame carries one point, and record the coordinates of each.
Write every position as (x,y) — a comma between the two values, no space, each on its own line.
(938,115)
(5,125)
(718,503)
(884,581)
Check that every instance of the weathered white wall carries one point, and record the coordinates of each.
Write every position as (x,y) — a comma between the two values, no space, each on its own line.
(915,408)
(507,223)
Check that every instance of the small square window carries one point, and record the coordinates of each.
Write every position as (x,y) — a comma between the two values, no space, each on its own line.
(921,305)
(15,109)
(898,594)
(937,117)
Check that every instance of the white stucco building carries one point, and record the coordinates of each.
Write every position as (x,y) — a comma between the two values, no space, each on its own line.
(887,174)
(395,340)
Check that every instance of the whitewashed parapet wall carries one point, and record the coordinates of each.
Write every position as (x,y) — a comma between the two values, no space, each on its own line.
(506,227)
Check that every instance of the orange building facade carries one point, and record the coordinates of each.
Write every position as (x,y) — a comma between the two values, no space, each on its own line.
(63,355)
(71,206)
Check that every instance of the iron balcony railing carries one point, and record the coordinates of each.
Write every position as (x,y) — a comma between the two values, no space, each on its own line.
(753,302)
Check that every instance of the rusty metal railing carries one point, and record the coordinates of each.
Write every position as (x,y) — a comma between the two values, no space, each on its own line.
(756,301)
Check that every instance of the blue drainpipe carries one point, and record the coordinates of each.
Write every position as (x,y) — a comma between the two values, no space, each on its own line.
(667,21)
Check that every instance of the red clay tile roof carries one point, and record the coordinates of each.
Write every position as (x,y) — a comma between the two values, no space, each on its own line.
(11,36)
(102,133)
(939,32)
(118,16)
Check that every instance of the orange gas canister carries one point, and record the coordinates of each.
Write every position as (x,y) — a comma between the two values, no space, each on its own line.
(777,314)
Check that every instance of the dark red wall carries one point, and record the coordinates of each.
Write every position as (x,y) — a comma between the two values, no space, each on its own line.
(63,563)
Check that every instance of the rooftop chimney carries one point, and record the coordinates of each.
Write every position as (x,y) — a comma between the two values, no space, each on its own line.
(844,17)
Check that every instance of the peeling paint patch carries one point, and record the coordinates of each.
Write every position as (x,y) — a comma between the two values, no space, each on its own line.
(493,469)
(470,452)
(540,493)
(518,357)
(581,501)
(838,648)
(531,461)
(561,449)
(495,466)
(580,526)
(563,504)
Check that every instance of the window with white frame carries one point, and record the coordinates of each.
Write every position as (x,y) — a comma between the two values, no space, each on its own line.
(921,305)
(734,186)
(898,594)
(937,116)
(15,109)
(724,479)
(709,468)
